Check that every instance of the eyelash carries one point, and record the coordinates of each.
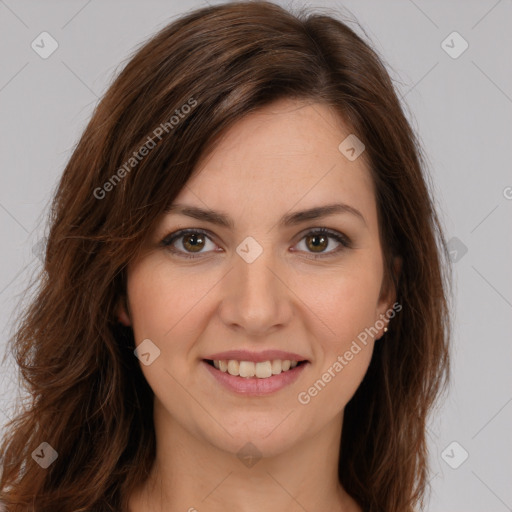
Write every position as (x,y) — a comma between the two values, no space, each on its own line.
(342,239)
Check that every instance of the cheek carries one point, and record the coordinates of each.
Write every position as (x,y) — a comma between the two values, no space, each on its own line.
(344,304)
(337,383)
(347,307)
(162,300)
(345,301)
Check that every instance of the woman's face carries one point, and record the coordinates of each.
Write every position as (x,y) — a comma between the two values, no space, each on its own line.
(254,291)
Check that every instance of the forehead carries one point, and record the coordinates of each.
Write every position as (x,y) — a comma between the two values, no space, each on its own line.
(284,154)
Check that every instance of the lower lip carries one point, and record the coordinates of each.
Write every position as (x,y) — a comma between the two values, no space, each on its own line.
(253,386)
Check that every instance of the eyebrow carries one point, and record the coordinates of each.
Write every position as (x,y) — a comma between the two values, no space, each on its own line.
(287,220)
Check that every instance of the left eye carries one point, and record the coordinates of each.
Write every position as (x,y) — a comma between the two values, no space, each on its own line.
(194,240)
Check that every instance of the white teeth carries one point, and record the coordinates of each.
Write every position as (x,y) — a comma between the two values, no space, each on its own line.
(276,367)
(261,370)
(246,369)
(233,367)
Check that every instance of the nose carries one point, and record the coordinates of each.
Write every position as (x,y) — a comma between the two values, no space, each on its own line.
(256,298)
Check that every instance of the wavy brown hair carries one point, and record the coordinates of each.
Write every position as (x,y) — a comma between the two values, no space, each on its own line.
(87,395)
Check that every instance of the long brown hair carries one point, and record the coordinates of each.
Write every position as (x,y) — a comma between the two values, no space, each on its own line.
(180,91)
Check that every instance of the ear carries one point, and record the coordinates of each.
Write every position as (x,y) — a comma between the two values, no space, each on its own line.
(388,290)
(122,312)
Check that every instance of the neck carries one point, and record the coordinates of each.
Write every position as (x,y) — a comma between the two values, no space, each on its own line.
(192,474)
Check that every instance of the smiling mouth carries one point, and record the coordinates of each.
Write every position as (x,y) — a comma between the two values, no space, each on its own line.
(259,370)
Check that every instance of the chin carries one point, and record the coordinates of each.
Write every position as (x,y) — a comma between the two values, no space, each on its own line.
(256,441)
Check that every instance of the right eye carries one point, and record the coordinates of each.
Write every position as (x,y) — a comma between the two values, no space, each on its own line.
(193,240)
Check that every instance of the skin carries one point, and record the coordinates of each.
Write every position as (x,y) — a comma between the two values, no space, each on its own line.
(281,159)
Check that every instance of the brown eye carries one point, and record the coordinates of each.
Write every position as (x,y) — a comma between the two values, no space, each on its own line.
(317,243)
(188,243)
(193,242)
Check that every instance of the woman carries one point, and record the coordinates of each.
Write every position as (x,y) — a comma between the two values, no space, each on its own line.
(243,304)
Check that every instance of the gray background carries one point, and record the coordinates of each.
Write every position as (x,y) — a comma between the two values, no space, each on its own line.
(461,107)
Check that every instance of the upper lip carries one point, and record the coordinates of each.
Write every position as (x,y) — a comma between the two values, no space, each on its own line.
(264,355)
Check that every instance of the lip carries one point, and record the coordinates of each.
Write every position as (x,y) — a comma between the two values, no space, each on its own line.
(253,386)
(256,357)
